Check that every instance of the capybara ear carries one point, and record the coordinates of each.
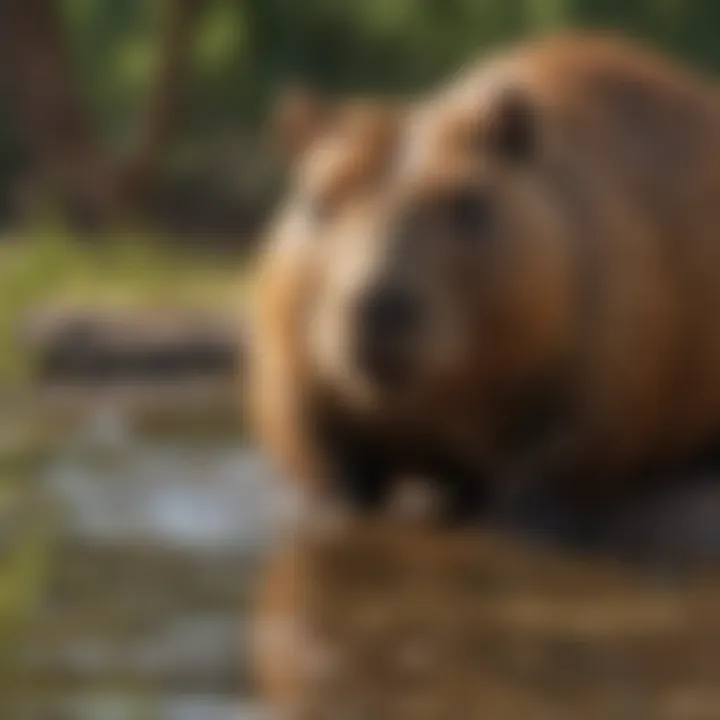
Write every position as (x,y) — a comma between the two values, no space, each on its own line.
(513,131)
(299,115)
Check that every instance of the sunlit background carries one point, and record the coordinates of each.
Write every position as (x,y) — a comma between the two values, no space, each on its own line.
(135,177)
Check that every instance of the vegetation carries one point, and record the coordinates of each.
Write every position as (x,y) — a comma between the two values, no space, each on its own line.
(49,268)
(136,86)
(26,543)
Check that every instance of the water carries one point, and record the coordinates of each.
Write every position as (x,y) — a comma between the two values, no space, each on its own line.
(144,612)
(158,540)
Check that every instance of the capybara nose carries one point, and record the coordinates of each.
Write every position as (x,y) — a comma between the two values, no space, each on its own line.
(389,316)
(388,320)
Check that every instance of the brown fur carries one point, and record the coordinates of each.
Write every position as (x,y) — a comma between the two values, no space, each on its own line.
(279,379)
(611,230)
(640,137)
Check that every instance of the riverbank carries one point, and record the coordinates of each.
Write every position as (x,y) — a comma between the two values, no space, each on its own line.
(49,277)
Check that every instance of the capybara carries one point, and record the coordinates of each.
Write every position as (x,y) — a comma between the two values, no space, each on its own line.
(512,282)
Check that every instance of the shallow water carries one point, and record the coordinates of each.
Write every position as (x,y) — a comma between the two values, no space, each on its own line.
(143,613)
(157,540)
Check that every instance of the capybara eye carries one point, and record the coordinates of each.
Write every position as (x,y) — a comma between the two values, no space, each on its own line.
(513,131)
(469,212)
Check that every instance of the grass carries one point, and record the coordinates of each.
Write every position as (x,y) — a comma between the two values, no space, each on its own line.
(26,546)
(49,268)
(23,572)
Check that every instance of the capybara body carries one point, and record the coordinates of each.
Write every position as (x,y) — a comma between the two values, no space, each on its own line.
(515,280)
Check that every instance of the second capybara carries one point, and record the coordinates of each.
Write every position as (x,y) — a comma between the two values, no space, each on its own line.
(511,282)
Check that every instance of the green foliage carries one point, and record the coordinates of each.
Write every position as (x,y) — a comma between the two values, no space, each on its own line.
(113,47)
(245,49)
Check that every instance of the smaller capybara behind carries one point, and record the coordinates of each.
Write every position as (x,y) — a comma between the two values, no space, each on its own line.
(515,281)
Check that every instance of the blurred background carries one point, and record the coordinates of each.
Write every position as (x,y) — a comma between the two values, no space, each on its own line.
(135,177)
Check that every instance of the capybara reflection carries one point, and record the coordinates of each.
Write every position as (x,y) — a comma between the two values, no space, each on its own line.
(510,284)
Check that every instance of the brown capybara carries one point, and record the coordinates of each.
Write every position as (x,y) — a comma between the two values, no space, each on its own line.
(516,279)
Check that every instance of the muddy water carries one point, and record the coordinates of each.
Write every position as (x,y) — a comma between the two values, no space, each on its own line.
(409,623)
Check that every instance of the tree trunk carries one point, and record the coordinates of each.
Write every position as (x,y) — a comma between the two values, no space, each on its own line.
(69,158)
(162,115)
(66,153)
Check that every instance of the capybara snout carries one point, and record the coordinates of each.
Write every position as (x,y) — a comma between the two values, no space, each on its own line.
(389,319)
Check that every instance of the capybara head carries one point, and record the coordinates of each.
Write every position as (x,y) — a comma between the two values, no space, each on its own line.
(475,238)
(435,255)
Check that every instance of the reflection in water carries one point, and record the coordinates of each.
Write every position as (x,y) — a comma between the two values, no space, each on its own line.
(409,623)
